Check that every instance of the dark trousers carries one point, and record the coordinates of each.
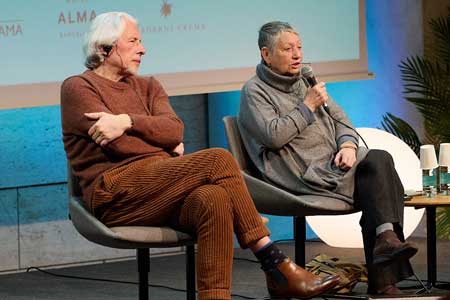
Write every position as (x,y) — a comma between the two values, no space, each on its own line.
(379,195)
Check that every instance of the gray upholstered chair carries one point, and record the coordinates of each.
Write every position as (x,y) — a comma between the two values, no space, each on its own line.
(273,200)
(140,238)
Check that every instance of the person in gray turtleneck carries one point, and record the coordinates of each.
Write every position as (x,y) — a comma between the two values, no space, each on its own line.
(296,145)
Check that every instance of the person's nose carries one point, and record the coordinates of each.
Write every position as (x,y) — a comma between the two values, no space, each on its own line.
(141,49)
(296,53)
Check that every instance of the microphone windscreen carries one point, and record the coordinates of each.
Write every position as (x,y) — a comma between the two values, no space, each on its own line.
(307,72)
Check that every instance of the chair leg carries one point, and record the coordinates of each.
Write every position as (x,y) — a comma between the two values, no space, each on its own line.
(300,240)
(143,261)
(190,272)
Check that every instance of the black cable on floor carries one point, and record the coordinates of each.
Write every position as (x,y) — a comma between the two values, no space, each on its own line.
(151,285)
(77,277)
(437,281)
(120,281)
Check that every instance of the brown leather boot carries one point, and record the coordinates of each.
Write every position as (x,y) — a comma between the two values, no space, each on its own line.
(388,248)
(288,280)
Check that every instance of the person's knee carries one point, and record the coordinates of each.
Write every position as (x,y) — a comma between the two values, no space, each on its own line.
(207,205)
(224,158)
(222,154)
(382,154)
(377,159)
(212,199)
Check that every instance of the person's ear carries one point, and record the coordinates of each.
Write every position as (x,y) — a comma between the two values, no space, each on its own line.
(265,54)
(107,49)
(104,50)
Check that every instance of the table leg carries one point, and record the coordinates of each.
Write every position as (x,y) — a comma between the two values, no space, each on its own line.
(300,240)
(431,246)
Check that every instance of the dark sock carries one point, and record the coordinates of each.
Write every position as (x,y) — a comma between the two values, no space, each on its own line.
(270,256)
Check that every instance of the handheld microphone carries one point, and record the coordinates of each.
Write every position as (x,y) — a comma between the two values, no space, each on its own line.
(308,74)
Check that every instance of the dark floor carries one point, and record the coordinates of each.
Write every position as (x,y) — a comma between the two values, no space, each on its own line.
(248,279)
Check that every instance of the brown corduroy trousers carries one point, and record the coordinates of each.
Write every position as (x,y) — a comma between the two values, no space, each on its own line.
(202,193)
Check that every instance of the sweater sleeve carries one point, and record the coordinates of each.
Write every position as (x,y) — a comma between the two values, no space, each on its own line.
(162,127)
(259,116)
(79,97)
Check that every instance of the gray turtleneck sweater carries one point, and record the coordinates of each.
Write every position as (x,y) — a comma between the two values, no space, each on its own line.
(290,145)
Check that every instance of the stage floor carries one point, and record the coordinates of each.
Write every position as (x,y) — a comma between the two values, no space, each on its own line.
(248,279)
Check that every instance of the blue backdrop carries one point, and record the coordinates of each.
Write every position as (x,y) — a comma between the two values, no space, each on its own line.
(31,151)
(394,32)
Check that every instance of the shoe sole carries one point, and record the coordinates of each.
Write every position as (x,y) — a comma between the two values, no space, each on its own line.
(406,253)
(302,298)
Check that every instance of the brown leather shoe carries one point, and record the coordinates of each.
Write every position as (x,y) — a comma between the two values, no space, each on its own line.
(390,290)
(388,248)
(289,280)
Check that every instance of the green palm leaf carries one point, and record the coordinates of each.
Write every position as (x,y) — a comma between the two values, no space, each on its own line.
(426,83)
(442,222)
(427,87)
(402,130)
(441,31)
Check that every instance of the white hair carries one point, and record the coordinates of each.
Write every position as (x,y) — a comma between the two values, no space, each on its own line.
(105,30)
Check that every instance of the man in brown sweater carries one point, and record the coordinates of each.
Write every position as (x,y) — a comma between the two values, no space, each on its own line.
(124,142)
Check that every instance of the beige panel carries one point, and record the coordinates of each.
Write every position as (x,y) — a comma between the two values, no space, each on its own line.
(9,244)
(9,250)
(32,95)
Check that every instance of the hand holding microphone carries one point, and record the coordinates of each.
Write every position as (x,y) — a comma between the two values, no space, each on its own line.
(317,94)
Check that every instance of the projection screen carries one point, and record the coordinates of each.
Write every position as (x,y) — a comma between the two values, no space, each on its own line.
(195,46)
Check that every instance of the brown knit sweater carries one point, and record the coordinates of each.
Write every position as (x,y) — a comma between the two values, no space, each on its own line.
(156,129)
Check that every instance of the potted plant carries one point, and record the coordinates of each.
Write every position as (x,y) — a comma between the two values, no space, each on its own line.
(427,87)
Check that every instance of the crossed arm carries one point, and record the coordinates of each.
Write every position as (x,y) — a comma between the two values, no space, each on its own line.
(109,127)
(85,114)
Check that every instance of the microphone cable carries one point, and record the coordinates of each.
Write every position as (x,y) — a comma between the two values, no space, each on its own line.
(308,75)
(29,269)
(349,127)
(51,273)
